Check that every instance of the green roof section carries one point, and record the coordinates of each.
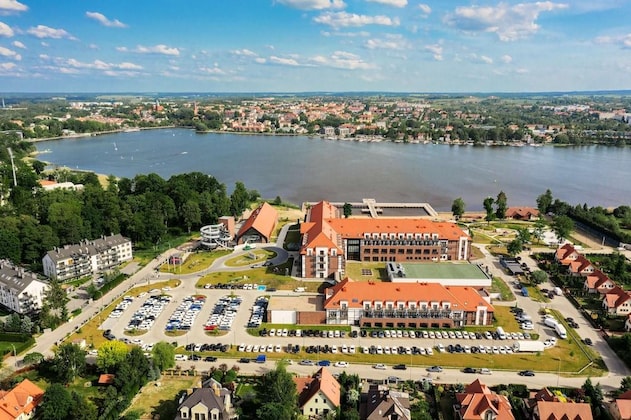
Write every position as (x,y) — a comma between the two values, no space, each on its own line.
(443,270)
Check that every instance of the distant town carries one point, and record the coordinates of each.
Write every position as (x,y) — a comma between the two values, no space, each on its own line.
(468,120)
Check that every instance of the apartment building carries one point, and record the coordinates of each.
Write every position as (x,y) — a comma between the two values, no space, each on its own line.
(329,240)
(87,257)
(20,290)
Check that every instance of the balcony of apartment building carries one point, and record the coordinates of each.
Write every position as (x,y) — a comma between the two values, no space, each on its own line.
(411,317)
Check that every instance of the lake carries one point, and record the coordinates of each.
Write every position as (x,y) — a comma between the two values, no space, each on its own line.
(299,168)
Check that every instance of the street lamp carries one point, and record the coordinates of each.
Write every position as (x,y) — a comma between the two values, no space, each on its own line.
(15,355)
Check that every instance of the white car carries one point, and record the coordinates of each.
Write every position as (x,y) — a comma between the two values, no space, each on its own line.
(341,364)
(440,347)
(379,366)
(485,371)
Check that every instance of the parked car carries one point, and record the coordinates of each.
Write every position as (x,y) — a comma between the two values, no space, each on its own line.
(469,370)
(341,364)
(485,371)
(244,360)
(379,366)
(399,367)
(324,363)
(588,341)
(434,369)
(526,373)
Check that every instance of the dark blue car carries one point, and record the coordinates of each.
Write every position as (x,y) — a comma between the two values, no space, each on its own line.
(324,363)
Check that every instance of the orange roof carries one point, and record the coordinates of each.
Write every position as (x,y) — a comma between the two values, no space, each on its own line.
(22,399)
(322,381)
(522,212)
(478,399)
(580,264)
(616,297)
(624,406)
(324,225)
(461,298)
(563,252)
(263,220)
(43,182)
(596,279)
(553,410)
(106,378)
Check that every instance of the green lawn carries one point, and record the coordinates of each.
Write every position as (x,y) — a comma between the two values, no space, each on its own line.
(378,270)
(195,262)
(160,399)
(260,256)
(504,318)
(292,239)
(499,286)
(258,276)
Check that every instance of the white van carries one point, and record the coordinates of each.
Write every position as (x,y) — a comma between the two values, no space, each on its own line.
(501,334)
(299,289)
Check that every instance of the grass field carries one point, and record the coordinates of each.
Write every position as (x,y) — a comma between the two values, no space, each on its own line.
(194,263)
(504,318)
(260,256)
(354,270)
(90,331)
(499,286)
(258,276)
(159,399)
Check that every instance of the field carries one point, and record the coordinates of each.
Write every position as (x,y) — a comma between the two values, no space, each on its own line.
(354,270)
(258,276)
(499,286)
(260,256)
(195,262)
(159,397)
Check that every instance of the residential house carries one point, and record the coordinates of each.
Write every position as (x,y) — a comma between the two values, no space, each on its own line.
(522,213)
(560,410)
(620,409)
(382,403)
(318,395)
(478,402)
(627,324)
(259,226)
(617,302)
(581,266)
(87,257)
(566,254)
(598,282)
(20,403)
(49,185)
(329,240)
(406,305)
(20,290)
(211,402)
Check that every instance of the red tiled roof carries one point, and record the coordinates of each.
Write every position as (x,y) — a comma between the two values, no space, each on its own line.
(563,252)
(322,381)
(106,379)
(522,212)
(579,265)
(16,402)
(553,410)
(462,298)
(616,297)
(478,399)
(596,279)
(263,220)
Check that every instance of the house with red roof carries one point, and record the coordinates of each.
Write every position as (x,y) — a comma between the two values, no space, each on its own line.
(522,213)
(406,305)
(259,226)
(383,403)
(559,410)
(478,402)
(566,254)
(620,409)
(318,395)
(20,402)
(617,302)
(329,240)
(581,266)
(598,282)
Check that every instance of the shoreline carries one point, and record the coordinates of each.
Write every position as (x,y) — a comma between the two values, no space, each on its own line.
(98,133)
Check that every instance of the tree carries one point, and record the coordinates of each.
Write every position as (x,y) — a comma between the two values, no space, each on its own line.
(33,358)
(500,205)
(111,354)
(514,247)
(163,355)
(540,226)
(544,201)
(38,166)
(458,208)
(280,397)
(239,199)
(81,408)
(562,226)
(348,210)
(56,404)
(191,214)
(523,235)
(538,276)
(488,207)
(69,361)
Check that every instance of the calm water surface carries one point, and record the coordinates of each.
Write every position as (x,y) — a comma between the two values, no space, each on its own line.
(304,169)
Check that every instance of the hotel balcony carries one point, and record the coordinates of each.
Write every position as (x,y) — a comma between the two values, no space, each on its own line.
(411,313)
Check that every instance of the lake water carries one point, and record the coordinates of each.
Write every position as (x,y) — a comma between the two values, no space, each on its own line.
(310,169)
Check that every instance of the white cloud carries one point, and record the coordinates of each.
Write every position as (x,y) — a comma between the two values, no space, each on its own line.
(391,42)
(507,59)
(343,19)
(12,6)
(342,60)
(425,8)
(245,52)
(313,4)
(114,73)
(99,17)
(7,66)
(284,61)
(394,3)
(99,65)
(260,60)
(18,44)
(436,50)
(509,22)
(93,47)
(5,52)
(481,58)
(624,40)
(213,70)
(5,30)
(156,49)
(44,44)
(42,31)
(346,34)
(522,71)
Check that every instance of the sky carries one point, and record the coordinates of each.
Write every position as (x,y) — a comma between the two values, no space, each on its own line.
(314,45)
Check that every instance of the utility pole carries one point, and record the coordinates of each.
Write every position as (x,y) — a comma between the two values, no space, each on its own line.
(15,181)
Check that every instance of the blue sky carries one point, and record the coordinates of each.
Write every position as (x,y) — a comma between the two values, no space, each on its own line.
(314,45)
